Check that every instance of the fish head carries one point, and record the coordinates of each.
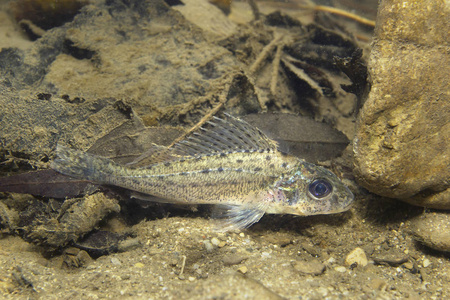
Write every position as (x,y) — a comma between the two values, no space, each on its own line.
(313,190)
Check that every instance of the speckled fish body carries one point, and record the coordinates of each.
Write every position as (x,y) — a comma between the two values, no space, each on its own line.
(231,164)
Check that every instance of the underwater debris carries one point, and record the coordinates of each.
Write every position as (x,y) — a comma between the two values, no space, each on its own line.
(37,16)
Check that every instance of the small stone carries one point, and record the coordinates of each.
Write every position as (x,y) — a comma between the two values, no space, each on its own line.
(243,269)
(235,259)
(330,261)
(84,258)
(311,249)
(391,257)
(309,267)
(340,269)
(378,284)
(433,230)
(426,263)
(139,265)
(115,261)
(208,246)
(215,241)
(72,251)
(357,256)
(280,239)
(322,291)
(408,265)
(129,244)
(222,244)
(191,278)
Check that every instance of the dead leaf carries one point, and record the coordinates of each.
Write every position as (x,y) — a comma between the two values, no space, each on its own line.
(128,141)
(301,136)
(46,183)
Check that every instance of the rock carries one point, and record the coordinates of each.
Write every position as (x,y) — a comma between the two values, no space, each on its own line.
(433,230)
(309,267)
(391,257)
(233,259)
(215,241)
(357,256)
(402,138)
(143,69)
(243,269)
(129,244)
(115,261)
(340,269)
(215,23)
(378,284)
(208,246)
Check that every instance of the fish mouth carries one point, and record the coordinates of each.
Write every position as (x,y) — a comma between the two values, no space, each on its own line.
(343,202)
(349,199)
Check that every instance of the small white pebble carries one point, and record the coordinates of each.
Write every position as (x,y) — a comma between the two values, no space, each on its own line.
(340,269)
(208,246)
(426,263)
(330,261)
(357,256)
(115,261)
(190,278)
(322,291)
(215,241)
(242,234)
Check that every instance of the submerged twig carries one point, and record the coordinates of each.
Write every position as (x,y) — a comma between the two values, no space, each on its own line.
(255,9)
(340,12)
(264,53)
(275,67)
(183,264)
(205,118)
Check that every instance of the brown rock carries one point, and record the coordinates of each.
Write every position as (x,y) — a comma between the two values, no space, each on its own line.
(402,139)
(433,230)
(357,256)
(309,267)
(233,259)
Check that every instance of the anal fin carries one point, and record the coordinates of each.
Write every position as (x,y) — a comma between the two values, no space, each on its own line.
(151,198)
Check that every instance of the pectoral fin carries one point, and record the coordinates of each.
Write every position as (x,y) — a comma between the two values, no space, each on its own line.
(237,217)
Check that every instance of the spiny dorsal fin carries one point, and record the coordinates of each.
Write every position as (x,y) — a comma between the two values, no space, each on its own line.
(224,135)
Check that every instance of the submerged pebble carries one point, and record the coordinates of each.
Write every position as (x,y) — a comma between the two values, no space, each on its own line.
(309,267)
(433,230)
(357,256)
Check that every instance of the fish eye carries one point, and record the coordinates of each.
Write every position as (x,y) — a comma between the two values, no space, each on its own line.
(320,188)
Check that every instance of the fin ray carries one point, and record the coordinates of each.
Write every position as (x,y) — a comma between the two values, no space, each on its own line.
(153,155)
(237,217)
(224,135)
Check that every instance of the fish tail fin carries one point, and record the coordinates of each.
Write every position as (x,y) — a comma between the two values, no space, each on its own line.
(81,165)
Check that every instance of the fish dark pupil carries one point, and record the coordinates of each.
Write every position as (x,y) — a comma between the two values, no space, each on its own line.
(320,188)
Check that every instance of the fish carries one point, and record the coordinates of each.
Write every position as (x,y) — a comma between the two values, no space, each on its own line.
(228,163)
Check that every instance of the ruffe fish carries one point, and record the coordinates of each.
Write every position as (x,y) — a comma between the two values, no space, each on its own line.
(230,164)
